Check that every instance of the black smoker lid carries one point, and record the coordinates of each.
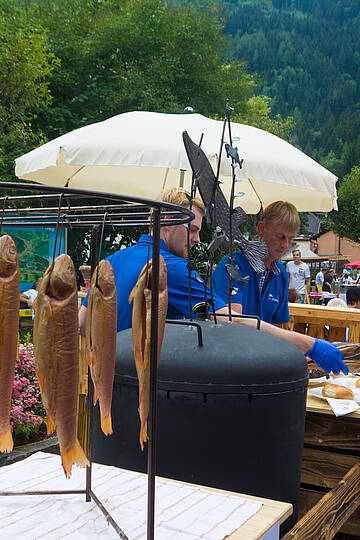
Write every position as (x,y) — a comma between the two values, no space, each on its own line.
(233,359)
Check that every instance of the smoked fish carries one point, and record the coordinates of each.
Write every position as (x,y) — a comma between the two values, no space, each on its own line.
(9,328)
(56,348)
(141,334)
(101,338)
(349,349)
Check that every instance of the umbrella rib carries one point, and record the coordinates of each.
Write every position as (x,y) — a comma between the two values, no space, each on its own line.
(72,176)
(165,178)
(256,193)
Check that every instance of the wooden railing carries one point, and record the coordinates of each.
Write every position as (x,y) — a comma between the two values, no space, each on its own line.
(312,320)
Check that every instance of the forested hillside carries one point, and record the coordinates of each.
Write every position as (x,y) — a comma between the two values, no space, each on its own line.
(307,55)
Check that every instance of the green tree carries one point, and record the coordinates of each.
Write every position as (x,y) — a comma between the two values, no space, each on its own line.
(346,222)
(25,65)
(258,114)
(137,55)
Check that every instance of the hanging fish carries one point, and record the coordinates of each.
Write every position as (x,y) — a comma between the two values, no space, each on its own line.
(9,328)
(56,348)
(101,338)
(217,208)
(141,334)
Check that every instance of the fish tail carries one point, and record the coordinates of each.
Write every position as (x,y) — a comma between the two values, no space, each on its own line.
(6,441)
(96,395)
(106,424)
(143,437)
(74,455)
(50,424)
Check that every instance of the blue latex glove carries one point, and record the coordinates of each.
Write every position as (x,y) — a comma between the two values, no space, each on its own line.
(328,357)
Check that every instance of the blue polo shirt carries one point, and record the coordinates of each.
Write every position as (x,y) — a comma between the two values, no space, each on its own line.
(128,263)
(272,306)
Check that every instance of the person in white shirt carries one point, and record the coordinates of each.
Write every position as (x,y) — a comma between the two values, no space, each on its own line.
(28,297)
(347,279)
(298,274)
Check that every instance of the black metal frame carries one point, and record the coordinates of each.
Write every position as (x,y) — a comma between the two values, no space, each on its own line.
(143,209)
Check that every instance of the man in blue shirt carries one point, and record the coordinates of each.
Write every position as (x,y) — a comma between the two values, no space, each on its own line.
(127,264)
(266,295)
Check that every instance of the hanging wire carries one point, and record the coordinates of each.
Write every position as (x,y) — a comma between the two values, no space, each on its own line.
(100,248)
(151,221)
(3,212)
(61,232)
(57,230)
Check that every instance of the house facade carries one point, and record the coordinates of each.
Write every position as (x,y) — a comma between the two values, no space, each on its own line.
(328,243)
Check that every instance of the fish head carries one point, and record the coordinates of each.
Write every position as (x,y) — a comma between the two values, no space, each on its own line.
(62,279)
(8,256)
(105,279)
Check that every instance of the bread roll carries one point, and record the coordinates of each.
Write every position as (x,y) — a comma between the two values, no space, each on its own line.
(357,383)
(336,391)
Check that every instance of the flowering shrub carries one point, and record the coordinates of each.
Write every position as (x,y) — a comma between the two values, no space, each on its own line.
(27,412)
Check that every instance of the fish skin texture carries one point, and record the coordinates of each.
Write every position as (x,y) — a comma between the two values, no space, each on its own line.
(100,339)
(141,334)
(9,329)
(56,348)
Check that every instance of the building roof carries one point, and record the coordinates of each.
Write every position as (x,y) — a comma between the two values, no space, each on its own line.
(306,252)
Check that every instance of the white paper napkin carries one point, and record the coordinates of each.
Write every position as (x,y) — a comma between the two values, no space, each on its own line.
(338,406)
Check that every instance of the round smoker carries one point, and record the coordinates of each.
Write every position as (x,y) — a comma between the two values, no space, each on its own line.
(230,414)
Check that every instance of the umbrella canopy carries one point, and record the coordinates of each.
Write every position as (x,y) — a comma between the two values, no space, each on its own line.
(352,265)
(140,153)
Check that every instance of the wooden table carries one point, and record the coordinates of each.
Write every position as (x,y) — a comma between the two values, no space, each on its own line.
(317,317)
(331,448)
(271,513)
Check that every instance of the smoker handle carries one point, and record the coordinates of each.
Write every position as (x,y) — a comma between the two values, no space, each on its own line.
(189,323)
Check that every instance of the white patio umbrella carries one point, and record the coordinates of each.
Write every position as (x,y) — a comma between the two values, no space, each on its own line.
(140,153)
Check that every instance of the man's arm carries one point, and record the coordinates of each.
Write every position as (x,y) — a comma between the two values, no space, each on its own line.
(82,320)
(301,341)
(26,299)
(236,307)
(325,354)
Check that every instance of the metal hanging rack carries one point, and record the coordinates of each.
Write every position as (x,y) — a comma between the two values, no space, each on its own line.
(127,212)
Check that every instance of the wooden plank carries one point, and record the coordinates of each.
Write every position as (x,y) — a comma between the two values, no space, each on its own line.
(337,333)
(325,469)
(315,330)
(325,431)
(327,517)
(354,332)
(309,498)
